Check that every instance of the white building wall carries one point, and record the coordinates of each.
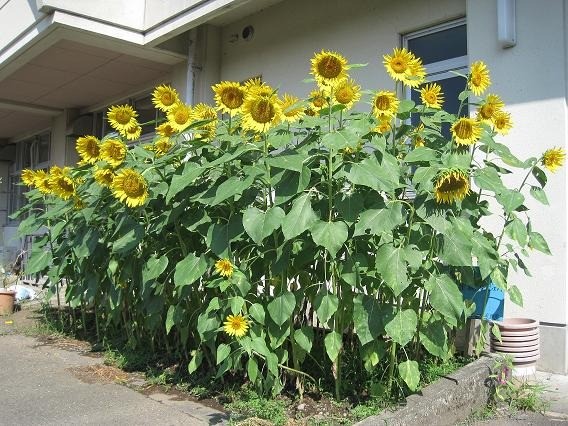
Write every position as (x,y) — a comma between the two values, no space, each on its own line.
(531,79)
(287,35)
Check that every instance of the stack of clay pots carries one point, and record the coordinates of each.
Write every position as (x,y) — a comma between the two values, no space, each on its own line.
(519,339)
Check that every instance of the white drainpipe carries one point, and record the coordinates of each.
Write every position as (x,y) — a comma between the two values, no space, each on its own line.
(192,67)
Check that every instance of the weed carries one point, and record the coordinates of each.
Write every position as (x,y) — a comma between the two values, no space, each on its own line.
(247,403)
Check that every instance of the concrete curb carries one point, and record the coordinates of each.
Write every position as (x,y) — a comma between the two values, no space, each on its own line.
(447,401)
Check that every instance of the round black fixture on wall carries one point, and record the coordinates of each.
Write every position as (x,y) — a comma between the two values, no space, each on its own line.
(248,33)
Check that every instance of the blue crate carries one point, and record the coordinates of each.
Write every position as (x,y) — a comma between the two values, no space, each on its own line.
(495,301)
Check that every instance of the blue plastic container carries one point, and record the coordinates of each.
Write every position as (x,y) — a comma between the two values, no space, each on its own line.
(495,301)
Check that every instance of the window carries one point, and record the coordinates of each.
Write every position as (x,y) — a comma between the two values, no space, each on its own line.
(443,49)
(32,153)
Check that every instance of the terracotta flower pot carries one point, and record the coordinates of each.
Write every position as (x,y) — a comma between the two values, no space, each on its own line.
(519,339)
(7,302)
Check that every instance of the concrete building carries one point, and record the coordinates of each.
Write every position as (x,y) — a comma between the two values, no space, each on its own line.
(62,62)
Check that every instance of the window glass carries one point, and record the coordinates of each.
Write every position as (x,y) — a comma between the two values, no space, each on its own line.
(440,45)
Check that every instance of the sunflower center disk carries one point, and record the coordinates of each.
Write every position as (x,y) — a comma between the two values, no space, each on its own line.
(398,65)
(123,117)
(463,129)
(382,103)
(232,98)
(344,95)
(329,67)
(133,187)
(262,111)
(181,117)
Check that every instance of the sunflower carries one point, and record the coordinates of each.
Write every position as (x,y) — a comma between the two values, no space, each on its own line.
(502,122)
(255,87)
(417,139)
(165,129)
(206,112)
(466,131)
(479,79)
(491,106)
(113,151)
(61,183)
(416,73)
(42,182)
(432,96)
(162,146)
(88,148)
(78,203)
(347,92)
(229,97)
(403,66)
(28,177)
(133,132)
(180,116)
(398,63)
(235,325)
(224,267)
(260,113)
(121,117)
(451,185)
(384,125)
(291,110)
(553,158)
(164,97)
(104,177)
(130,187)
(329,68)
(319,99)
(385,104)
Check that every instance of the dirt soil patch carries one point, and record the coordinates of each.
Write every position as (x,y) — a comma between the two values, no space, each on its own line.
(99,374)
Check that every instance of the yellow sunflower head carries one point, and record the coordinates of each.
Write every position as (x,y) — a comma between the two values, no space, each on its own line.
(165,129)
(206,112)
(347,92)
(260,113)
(398,63)
(256,87)
(180,116)
(121,117)
(164,97)
(491,106)
(132,133)
(416,73)
(451,185)
(432,96)
(42,182)
(553,158)
(318,99)
(236,325)
(61,183)
(403,66)
(224,267)
(28,177)
(78,203)
(229,97)
(385,104)
(479,79)
(162,146)
(329,68)
(88,148)
(113,151)
(104,177)
(466,131)
(384,125)
(502,122)
(292,111)
(130,187)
